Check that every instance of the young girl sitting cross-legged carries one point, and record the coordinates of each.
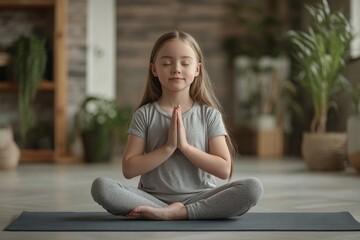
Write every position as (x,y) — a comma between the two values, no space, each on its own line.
(178,144)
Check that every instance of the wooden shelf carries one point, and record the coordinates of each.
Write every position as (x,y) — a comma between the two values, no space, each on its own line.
(45,85)
(40,156)
(59,84)
(47,156)
(27,3)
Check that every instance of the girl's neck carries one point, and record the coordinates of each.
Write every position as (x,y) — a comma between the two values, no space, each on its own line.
(168,102)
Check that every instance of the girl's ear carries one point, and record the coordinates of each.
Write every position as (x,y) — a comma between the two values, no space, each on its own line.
(153,69)
(198,70)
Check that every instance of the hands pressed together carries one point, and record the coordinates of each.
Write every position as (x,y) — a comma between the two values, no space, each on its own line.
(177,132)
(136,162)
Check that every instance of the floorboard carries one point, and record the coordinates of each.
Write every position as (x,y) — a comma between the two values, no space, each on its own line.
(288,187)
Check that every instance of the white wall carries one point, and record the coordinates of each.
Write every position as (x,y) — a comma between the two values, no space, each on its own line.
(355,21)
(101,57)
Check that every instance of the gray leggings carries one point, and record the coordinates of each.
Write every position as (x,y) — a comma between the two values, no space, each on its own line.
(232,199)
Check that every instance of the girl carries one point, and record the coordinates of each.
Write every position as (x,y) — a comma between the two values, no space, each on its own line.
(178,143)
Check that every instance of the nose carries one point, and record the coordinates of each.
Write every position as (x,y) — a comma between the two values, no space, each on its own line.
(176,69)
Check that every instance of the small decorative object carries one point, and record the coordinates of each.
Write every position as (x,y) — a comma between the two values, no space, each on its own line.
(320,57)
(353,128)
(4,63)
(29,62)
(9,151)
(97,121)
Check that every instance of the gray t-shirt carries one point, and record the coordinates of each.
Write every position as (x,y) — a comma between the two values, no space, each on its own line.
(177,178)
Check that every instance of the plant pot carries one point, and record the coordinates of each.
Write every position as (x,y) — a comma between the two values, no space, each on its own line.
(353,146)
(97,146)
(324,151)
(9,151)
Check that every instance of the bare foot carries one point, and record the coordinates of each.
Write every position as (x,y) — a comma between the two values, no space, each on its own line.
(175,211)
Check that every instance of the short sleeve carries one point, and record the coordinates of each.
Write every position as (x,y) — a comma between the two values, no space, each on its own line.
(215,124)
(138,125)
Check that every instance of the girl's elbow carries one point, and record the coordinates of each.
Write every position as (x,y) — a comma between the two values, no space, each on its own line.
(225,173)
(128,174)
(126,170)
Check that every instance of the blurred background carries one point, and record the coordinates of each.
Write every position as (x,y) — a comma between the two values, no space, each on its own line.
(106,49)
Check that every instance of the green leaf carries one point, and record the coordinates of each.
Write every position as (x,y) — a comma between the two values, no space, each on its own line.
(30,61)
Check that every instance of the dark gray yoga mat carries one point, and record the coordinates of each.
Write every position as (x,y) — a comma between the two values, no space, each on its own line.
(103,221)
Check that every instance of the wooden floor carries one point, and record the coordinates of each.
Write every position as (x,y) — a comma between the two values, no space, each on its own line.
(288,186)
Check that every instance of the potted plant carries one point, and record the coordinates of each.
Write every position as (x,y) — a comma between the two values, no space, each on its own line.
(353,128)
(320,56)
(29,63)
(97,121)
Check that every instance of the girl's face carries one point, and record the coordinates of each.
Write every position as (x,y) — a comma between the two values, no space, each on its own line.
(176,65)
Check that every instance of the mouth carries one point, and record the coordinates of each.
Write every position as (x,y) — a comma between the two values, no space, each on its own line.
(175,78)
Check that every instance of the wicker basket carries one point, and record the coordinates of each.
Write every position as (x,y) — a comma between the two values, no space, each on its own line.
(324,152)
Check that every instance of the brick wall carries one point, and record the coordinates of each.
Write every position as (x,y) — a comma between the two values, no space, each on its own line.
(140,23)
(76,43)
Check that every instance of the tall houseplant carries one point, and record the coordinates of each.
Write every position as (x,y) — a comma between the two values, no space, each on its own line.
(320,55)
(29,54)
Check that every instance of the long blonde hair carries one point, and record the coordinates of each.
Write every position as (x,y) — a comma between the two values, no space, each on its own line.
(201,90)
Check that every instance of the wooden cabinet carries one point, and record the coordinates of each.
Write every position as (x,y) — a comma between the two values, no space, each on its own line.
(59,83)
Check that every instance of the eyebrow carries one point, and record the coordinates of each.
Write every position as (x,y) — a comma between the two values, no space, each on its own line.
(162,57)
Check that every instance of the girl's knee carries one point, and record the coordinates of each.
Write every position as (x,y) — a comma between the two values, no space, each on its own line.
(98,188)
(252,188)
(104,191)
(256,189)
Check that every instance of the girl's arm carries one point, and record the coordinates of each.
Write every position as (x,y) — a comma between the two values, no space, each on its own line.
(217,162)
(135,162)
